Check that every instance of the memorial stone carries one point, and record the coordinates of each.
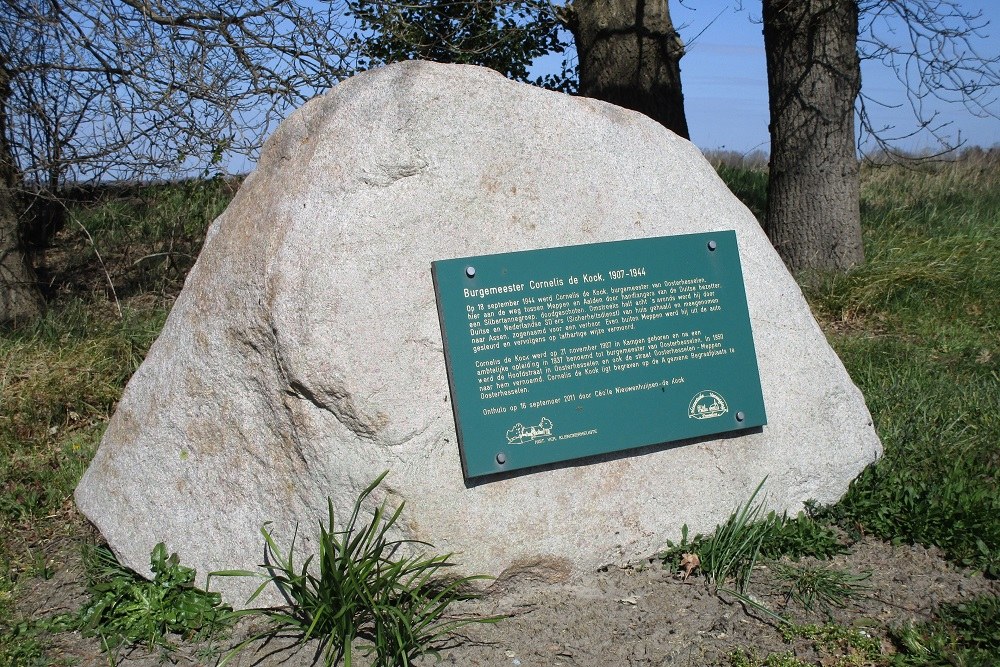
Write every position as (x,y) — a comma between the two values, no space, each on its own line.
(304,356)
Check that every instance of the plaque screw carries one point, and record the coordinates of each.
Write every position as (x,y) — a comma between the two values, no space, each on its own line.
(501,458)
(470,271)
(740,416)
(712,245)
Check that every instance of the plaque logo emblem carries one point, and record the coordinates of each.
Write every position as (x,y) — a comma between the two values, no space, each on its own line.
(707,405)
(519,434)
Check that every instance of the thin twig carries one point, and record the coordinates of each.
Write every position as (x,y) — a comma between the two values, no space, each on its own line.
(167,253)
(100,259)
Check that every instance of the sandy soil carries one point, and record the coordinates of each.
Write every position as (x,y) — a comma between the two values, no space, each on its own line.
(638,617)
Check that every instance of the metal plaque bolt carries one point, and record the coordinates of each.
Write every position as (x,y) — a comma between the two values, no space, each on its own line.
(501,458)
(470,271)
(740,416)
(712,245)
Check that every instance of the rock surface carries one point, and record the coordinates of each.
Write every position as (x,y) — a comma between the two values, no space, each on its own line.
(304,355)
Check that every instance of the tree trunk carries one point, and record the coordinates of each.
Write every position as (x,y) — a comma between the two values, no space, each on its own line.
(813,75)
(630,55)
(20,297)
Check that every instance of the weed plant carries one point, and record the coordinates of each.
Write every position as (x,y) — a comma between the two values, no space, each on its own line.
(730,553)
(835,645)
(126,608)
(800,537)
(732,550)
(962,634)
(814,586)
(362,587)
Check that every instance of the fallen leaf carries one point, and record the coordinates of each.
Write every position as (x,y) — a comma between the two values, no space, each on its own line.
(689,562)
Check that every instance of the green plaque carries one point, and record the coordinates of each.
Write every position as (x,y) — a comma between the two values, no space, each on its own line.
(564,353)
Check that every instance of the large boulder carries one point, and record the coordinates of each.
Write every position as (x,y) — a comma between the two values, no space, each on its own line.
(304,356)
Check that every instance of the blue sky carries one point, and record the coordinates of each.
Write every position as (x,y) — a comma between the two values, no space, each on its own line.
(724,78)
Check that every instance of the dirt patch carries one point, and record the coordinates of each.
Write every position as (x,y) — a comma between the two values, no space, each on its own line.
(641,616)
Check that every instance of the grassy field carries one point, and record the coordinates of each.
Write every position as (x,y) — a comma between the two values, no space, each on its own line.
(918,327)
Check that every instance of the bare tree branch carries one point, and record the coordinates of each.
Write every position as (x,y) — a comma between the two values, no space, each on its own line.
(934,47)
(139,88)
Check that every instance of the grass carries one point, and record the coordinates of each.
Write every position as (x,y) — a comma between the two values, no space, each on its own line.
(965,635)
(835,646)
(362,587)
(936,414)
(59,383)
(22,645)
(730,553)
(749,184)
(138,239)
(962,634)
(742,658)
(928,358)
(852,646)
(918,328)
(60,380)
(824,587)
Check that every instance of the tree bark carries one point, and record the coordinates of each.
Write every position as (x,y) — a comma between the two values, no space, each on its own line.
(813,74)
(20,297)
(629,55)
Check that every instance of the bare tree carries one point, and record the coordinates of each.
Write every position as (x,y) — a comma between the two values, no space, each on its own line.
(813,50)
(814,75)
(936,48)
(20,299)
(124,89)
